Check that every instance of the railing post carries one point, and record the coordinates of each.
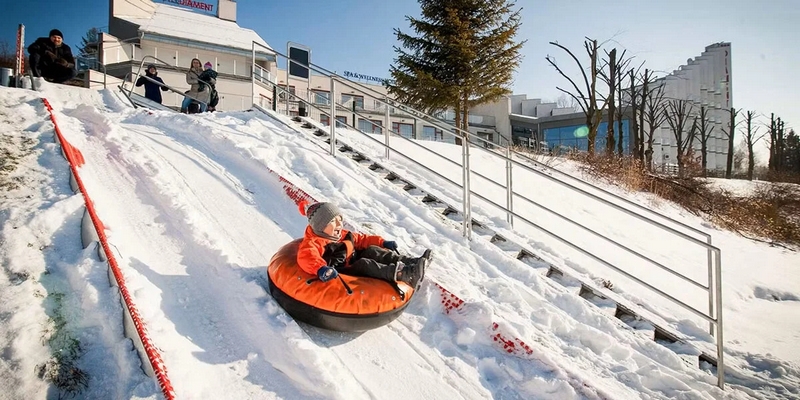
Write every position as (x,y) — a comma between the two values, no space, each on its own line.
(509,189)
(253,75)
(467,228)
(710,290)
(720,342)
(387,127)
(333,115)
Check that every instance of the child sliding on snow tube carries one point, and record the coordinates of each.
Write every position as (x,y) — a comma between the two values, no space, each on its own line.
(327,249)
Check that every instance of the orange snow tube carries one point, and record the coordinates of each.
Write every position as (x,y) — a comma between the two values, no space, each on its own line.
(368,304)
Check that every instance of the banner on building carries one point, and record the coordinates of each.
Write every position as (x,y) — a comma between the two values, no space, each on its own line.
(208,7)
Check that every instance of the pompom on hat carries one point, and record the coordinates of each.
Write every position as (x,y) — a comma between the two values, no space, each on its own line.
(56,32)
(207,65)
(319,214)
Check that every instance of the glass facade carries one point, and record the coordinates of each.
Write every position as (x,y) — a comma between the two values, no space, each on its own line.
(575,137)
(370,126)
(321,97)
(359,100)
(405,130)
(431,133)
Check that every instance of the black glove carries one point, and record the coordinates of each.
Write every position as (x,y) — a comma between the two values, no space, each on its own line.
(63,62)
(390,244)
(50,54)
(326,273)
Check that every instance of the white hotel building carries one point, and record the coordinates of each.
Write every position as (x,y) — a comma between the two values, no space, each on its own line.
(175,31)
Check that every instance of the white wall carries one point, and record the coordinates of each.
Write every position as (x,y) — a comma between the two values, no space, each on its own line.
(227,10)
(132,8)
(706,82)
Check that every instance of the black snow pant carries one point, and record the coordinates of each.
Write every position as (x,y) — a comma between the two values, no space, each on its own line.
(374,262)
(42,66)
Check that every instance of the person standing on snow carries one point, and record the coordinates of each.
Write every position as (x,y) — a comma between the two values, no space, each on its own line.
(51,58)
(327,249)
(151,89)
(196,91)
(209,77)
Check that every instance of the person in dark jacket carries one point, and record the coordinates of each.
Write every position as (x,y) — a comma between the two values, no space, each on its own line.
(151,89)
(51,58)
(210,76)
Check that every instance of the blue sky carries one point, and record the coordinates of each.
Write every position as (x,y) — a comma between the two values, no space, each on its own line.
(357,36)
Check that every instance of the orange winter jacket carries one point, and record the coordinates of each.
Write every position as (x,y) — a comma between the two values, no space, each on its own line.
(315,251)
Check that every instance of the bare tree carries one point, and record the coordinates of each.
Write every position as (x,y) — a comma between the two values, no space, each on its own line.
(777,138)
(653,112)
(739,156)
(611,80)
(751,137)
(626,105)
(678,114)
(591,103)
(7,56)
(636,151)
(617,104)
(730,135)
(567,102)
(705,134)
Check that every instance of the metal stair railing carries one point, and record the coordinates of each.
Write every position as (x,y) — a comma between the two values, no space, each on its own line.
(468,141)
(138,74)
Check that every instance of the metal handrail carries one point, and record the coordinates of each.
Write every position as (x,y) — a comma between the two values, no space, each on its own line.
(714,315)
(96,61)
(621,246)
(139,71)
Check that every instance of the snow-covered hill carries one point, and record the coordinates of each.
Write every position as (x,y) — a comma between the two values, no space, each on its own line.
(194,214)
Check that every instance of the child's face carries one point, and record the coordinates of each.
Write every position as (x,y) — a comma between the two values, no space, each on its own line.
(334,228)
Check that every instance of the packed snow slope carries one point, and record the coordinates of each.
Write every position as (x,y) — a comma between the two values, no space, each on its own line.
(194,215)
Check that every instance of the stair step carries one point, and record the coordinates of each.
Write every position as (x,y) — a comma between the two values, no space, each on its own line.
(358,157)
(591,294)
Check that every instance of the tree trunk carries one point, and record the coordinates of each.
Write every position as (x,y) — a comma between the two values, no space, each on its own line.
(704,134)
(612,81)
(732,128)
(649,152)
(634,125)
(620,139)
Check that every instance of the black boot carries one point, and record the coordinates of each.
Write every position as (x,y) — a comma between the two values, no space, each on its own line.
(414,271)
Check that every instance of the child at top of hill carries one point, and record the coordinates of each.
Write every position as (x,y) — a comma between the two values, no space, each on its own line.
(328,249)
(210,76)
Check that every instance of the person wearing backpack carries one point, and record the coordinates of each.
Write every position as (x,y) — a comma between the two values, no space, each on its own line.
(210,76)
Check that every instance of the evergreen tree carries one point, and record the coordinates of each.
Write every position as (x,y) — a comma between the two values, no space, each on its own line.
(464,55)
(90,43)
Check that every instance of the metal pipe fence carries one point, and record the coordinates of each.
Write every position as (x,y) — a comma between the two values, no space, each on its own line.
(512,160)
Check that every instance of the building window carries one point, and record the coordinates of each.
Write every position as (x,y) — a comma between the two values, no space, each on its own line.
(574,137)
(370,125)
(341,122)
(282,90)
(432,133)
(324,119)
(359,101)
(321,97)
(404,130)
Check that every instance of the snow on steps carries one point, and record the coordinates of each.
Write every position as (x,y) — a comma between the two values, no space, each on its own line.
(629,316)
